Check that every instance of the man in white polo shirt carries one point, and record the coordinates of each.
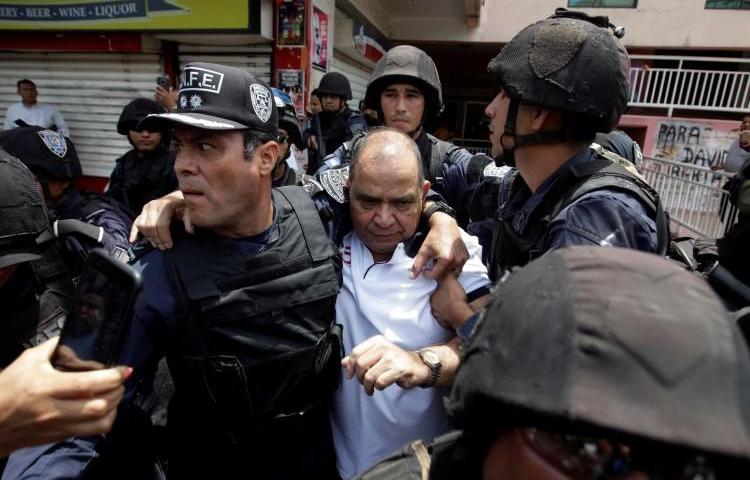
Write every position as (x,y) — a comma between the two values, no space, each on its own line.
(393,342)
(33,112)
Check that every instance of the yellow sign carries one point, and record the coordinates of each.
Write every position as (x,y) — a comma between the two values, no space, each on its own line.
(136,15)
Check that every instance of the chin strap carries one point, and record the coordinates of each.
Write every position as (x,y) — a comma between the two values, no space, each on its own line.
(510,141)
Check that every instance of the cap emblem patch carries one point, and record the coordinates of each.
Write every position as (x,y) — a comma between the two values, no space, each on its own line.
(54,141)
(196,101)
(261,99)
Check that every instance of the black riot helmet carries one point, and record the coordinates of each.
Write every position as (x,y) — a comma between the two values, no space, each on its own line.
(135,111)
(48,154)
(334,83)
(407,64)
(23,214)
(571,62)
(607,343)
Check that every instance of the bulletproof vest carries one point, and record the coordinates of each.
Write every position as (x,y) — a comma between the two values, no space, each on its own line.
(511,248)
(143,179)
(257,345)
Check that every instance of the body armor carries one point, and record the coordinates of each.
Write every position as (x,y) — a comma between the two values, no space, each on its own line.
(511,248)
(256,352)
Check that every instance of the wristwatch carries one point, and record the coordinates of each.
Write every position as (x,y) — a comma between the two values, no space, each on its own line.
(432,360)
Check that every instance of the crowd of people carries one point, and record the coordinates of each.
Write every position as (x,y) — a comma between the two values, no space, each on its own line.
(404,310)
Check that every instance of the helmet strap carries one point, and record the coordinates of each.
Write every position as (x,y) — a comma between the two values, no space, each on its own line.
(510,141)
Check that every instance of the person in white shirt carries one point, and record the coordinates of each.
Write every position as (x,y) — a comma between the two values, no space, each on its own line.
(393,342)
(33,112)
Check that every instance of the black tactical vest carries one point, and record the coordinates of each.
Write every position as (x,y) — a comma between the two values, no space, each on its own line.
(511,248)
(256,353)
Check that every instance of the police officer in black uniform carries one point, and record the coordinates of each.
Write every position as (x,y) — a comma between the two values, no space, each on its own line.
(593,363)
(405,91)
(542,122)
(243,309)
(23,220)
(53,160)
(147,171)
(335,124)
(559,383)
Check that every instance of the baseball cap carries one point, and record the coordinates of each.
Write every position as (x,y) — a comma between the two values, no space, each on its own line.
(608,340)
(23,214)
(42,150)
(219,97)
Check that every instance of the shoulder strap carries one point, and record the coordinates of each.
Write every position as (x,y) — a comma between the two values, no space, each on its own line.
(318,244)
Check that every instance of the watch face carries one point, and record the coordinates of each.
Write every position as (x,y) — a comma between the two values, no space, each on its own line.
(430,357)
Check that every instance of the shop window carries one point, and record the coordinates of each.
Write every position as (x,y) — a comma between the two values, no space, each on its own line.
(603,3)
(728,4)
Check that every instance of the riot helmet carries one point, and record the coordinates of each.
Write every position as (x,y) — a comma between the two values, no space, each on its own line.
(334,83)
(23,214)
(135,111)
(407,64)
(48,154)
(608,343)
(620,143)
(571,62)
(288,117)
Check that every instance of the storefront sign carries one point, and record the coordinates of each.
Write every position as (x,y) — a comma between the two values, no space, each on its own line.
(135,15)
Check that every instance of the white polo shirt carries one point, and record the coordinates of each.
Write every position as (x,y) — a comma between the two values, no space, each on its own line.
(381,299)
(39,114)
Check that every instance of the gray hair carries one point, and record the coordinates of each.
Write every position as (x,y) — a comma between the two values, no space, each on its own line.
(380,137)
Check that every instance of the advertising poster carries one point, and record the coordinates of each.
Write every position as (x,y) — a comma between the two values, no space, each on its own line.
(124,15)
(292,82)
(320,39)
(291,23)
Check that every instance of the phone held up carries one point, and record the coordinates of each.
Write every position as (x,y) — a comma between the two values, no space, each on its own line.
(94,329)
(163,82)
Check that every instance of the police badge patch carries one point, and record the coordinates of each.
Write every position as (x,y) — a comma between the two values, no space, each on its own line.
(334,182)
(261,98)
(55,142)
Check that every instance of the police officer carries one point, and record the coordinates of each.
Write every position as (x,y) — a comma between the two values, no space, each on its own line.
(23,220)
(243,309)
(289,134)
(53,160)
(542,122)
(147,171)
(335,124)
(594,363)
(405,91)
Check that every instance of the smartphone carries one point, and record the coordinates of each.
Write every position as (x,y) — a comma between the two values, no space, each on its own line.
(92,335)
(163,81)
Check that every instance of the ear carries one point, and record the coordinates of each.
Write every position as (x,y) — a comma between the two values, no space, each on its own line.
(266,156)
(539,117)
(425,190)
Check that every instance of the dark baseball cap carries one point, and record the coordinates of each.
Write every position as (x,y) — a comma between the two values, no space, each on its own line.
(608,340)
(23,214)
(218,97)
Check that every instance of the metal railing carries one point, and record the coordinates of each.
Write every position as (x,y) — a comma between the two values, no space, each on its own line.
(690,88)
(693,196)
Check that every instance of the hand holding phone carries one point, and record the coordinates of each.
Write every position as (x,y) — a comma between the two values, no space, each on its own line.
(92,336)
(163,82)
